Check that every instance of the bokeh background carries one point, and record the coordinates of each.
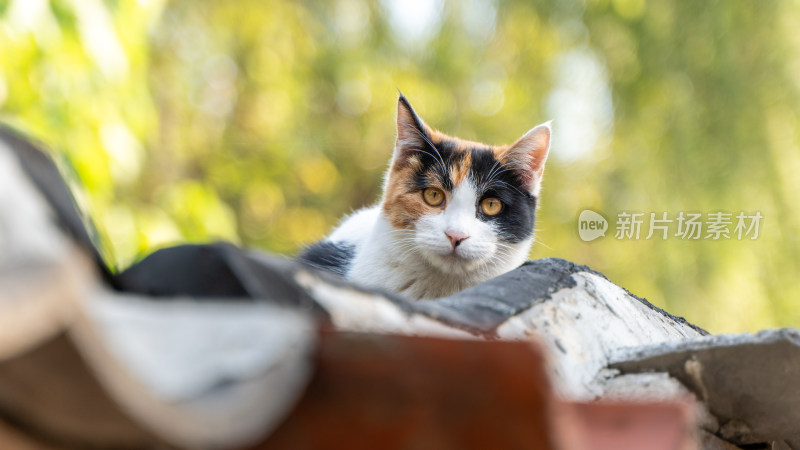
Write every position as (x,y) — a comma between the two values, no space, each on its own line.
(263,122)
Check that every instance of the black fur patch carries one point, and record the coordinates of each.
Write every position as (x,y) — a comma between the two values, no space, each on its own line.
(326,255)
(515,222)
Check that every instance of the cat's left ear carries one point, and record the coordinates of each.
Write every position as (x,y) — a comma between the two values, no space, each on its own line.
(412,132)
(528,155)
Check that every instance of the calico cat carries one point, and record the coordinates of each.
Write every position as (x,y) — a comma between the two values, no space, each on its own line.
(454,213)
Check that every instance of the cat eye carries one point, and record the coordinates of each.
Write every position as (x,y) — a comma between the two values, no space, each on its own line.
(433,196)
(491,206)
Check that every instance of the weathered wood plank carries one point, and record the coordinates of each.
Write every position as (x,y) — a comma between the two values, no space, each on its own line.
(398,392)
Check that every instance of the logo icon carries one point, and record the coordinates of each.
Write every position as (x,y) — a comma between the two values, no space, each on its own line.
(591,225)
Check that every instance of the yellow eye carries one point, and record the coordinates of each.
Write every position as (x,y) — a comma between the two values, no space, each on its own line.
(433,196)
(491,206)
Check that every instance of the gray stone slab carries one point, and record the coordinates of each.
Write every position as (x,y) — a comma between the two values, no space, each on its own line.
(482,309)
(750,382)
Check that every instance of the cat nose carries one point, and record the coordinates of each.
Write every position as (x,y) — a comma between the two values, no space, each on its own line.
(456,237)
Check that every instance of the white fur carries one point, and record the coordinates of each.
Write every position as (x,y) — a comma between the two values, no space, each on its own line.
(421,263)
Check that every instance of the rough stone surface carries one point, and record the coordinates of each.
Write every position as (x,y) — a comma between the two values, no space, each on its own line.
(748,381)
(485,307)
(584,324)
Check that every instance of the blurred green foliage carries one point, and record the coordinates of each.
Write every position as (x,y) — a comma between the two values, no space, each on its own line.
(264,122)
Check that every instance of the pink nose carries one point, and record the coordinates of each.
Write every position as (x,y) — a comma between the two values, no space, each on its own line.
(456,237)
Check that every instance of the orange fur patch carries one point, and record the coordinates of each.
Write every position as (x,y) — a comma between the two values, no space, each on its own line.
(500,152)
(459,171)
(401,207)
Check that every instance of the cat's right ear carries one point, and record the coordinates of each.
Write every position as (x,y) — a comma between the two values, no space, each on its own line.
(412,133)
(528,155)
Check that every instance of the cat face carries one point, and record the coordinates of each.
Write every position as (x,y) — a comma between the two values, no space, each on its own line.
(462,205)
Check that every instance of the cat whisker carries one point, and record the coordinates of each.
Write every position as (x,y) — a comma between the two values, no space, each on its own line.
(405,253)
(497,173)
(405,245)
(402,241)
(425,138)
(400,232)
(507,184)
(405,241)
(401,252)
(439,161)
(538,242)
(500,244)
(496,166)
(500,170)
(501,261)
(409,248)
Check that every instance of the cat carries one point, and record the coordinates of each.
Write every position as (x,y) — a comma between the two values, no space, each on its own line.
(453,213)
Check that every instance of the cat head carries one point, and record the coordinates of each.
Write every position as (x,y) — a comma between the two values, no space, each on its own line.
(463,205)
